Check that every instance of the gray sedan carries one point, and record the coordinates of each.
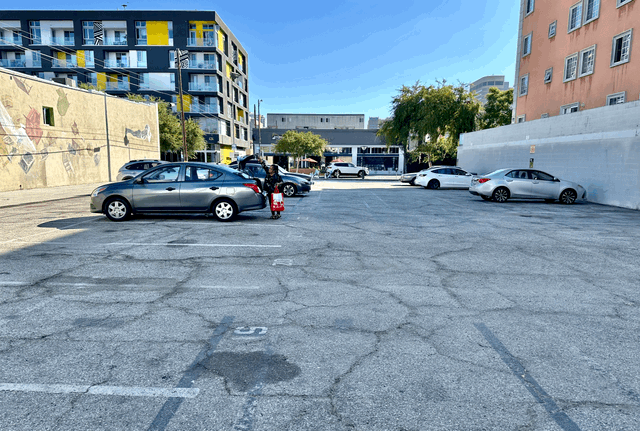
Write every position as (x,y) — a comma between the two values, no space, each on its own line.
(504,184)
(180,188)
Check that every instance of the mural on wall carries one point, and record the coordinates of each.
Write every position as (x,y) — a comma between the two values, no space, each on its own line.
(22,85)
(140,134)
(63,102)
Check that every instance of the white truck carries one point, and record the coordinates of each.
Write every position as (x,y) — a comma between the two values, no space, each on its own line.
(340,169)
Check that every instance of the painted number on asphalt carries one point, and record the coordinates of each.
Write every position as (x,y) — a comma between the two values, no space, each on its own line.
(285,262)
(250,330)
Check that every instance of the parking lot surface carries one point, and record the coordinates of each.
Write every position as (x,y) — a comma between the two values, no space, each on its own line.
(370,305)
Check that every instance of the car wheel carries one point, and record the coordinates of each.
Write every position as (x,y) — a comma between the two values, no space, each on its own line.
(224,210)
(568,197)
(336,174)
(117,209)
(289,190)
(433,185)
(500,194)
(486,198)
(361,174)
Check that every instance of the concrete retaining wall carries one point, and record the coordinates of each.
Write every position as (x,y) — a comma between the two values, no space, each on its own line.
(598,148)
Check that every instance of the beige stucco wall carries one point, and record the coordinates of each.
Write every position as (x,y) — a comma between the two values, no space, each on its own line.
(77,149)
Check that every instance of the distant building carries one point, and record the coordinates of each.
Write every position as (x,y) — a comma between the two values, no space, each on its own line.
(575,55)
(252,120)
(375,122)
(481,86)
(315,121)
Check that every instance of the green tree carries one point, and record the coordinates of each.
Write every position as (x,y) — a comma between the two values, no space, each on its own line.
(497,110)
(171,129)
(434,116)
(300,144)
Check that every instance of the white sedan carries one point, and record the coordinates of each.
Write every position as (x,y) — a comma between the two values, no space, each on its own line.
(445,177)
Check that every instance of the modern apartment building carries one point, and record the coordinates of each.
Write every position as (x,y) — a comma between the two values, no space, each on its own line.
(481,86)
(575,55)
(315,121)
(122,52)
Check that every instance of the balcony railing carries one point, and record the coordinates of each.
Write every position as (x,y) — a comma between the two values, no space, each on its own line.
(203,108)
(204,65)
(111,41)
(63,63)
(122,86)
(156,86)
(13,63)
(116,63)
(200,41)
(197,86)
(11,40)
(63,41)
(141,64)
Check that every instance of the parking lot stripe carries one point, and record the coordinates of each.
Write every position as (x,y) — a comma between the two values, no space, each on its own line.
(102,390)
(129,286)
(528,381)
(149,244)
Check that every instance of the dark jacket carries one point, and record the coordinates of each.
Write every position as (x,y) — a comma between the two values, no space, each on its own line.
(271,181)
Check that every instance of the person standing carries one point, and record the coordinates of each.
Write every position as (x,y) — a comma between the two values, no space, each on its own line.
(271,181)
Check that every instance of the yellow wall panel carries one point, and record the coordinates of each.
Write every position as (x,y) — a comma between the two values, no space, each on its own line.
(240,59)
(228,71)
(61,55)
(101,81)
(240,115)
(221,40)
(81,59)
(157,33)
(112,77)
(186,98)
(226,154)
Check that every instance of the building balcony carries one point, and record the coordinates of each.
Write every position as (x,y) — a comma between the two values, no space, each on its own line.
(116,63)
(203,65)
(118,86)
(11,40)
(13,63)
(202,108)
(199,41)
(63,41)
(197,86)
(63,63)
(115,41)
(156,87)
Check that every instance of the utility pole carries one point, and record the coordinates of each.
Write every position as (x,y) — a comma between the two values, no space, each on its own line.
(184,131)
(259,124)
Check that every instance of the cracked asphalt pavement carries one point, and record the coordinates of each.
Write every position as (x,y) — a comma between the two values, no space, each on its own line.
(370,305)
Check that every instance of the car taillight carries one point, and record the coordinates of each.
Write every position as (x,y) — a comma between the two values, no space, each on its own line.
(484,180)
(252,187)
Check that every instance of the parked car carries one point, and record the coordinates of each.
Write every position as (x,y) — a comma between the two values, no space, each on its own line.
(291,186)
(190,187)
(506,184)
(443,176)
(250,159)
(339,169)
(135,167)
(409,178)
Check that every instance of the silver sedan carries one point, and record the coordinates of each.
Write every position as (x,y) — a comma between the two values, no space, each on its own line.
(180,188)
(505,184)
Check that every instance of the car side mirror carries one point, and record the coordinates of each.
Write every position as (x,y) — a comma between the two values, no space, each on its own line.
(557,180)
(139,181)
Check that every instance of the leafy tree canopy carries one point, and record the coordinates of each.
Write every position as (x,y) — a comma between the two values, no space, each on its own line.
(497,110)
(301,144)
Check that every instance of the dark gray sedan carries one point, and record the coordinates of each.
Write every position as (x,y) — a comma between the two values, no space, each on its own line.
(180,188)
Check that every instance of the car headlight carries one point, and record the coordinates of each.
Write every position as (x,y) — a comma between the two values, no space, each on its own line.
(97,191)
(422,175)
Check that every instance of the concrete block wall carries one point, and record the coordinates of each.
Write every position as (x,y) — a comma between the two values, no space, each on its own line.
(598,148)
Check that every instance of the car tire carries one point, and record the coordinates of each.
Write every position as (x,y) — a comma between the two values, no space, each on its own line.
(336,174)
(117,209)
(486,198)
(433,185)
(289,190)
(412,182)
(501,194)
(361,174)
(568,196)
(224,210)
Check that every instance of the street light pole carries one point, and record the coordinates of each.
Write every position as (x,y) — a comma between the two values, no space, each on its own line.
(259,124)
(184,131)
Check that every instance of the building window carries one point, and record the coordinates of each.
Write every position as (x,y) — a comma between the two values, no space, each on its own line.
(35,34)
(524,85)
(47,115)
(548,75)
(614,99)
(623,2)
(522,118)
(322,120)
(591,10)
(587,61)
(87,33)
(575,17)
(141,32)
(284,120)
(621,48)
(568,109)
(552,28)
(546,115)
(327,120)
(526,45)
(530,4)
(570,67)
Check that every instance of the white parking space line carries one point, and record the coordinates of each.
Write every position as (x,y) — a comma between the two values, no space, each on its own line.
(125,286)
(148,244)
(102,390)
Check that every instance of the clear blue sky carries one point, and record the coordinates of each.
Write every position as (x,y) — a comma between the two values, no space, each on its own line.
(352,56)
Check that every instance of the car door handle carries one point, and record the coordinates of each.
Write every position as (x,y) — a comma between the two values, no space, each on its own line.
(509,181)
(536,182)
(214,188)
(170,189)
